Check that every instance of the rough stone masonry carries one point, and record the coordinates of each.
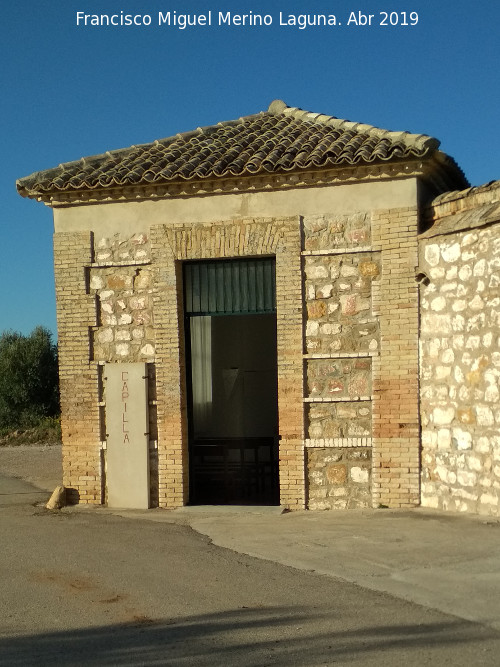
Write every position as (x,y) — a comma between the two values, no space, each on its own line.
(459,354)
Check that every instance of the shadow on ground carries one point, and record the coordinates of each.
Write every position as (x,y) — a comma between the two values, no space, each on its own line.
(255,637)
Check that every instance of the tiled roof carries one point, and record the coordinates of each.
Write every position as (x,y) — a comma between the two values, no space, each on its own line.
(282,139)
(479,216)
(452,212)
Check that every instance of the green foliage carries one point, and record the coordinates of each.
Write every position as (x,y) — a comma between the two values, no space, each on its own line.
(29,389)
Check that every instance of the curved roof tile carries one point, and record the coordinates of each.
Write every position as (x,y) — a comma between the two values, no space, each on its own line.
(280,139)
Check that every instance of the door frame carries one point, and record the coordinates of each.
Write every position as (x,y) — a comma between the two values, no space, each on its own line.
(171,245)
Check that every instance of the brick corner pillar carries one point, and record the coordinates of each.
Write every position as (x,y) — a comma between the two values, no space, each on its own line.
(173,470)
(396,431)
(78,379)
(289,307)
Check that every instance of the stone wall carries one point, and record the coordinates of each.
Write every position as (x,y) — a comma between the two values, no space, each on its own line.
(460,358)
(121,279)
(361,359)
(340,478)
(341,336)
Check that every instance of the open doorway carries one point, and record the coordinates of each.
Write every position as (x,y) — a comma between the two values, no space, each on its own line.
(232,381)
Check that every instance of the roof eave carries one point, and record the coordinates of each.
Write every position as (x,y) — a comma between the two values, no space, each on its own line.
(427,168)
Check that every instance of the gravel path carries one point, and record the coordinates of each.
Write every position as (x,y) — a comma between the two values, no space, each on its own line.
(39,464)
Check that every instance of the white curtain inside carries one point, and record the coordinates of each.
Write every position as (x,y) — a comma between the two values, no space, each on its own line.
(201,373)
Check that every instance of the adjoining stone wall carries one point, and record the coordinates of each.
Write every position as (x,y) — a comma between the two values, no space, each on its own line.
(460,359)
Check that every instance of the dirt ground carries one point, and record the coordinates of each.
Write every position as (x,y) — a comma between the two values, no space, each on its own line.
(39,464)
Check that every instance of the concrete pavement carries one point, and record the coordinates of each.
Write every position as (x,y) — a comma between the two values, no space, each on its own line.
(88,588)
(443,561)
(15,491)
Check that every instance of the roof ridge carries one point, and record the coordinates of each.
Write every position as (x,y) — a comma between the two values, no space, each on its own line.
(278,107)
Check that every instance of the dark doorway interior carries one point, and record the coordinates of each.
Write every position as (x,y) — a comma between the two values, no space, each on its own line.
(233,408)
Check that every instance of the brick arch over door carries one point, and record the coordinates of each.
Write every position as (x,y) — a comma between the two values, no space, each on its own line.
(170,246)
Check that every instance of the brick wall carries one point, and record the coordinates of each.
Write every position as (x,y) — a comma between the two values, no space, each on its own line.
(76,314)
(396,458)
(172,244)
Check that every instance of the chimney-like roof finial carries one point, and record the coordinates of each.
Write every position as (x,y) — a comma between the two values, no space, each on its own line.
(277,106)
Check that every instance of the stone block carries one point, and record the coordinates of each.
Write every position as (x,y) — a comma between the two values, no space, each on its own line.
(96,282)
(438,304)
(117,281)
(312,328)
(324,292)
(369,269)
(316,309)
(122,334)
(124,318)
(489,499)
(336,474)
(443,416)
(432,254)
(316,272)
(357,454)
(475,463)
(331,429)
(359,475)
(484,416)
(450,253)
(466,478)
(444,438)
(348,270)
(331,456)
(138,302)
(105,335)
(349,304)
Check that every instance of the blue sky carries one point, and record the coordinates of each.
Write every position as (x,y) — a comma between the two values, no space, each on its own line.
(69,91)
